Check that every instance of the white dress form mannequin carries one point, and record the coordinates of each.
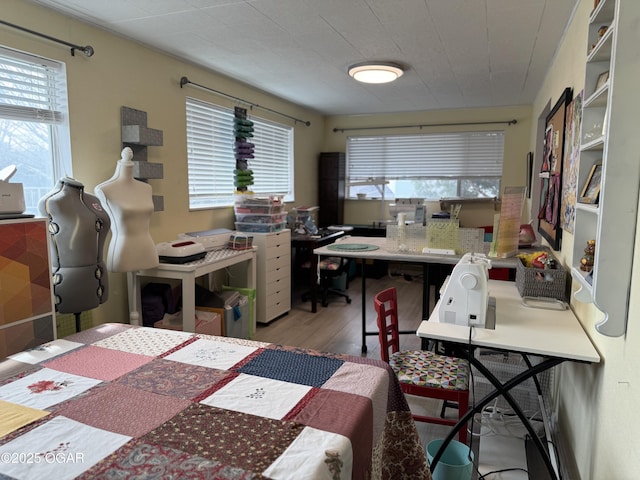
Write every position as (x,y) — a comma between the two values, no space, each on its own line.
(78,227)
(129,204)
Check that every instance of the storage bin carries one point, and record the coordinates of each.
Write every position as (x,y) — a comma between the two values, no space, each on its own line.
(260,227)
(252,199)
(258,209)
(207,322)
(258,218)
(541,282)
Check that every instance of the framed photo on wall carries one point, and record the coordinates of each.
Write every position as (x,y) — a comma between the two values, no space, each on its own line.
(591,189)
(549,224)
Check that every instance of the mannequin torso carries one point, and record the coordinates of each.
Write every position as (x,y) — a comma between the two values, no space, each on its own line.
(78,227)
(129,204)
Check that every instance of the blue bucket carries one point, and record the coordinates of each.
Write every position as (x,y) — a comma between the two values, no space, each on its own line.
(456,463)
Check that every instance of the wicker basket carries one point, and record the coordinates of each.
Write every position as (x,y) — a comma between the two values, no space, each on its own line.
(538,282)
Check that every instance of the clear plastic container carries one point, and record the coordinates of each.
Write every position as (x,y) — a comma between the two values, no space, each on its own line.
(260,227)
(241,209)
(253,199)
(259,218)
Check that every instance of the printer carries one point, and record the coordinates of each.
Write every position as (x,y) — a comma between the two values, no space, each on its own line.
(464,299)
(11,194)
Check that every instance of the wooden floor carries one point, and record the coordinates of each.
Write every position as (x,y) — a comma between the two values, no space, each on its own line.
(337,327)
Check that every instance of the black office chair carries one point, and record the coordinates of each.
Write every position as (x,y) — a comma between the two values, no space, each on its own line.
(330,269)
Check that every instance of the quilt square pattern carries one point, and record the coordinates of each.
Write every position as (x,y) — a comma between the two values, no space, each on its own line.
(212,353)
(105,364)
(141,342)
(164,377)
(292,367)
(236,439)
(45,388)
(258,396)
(59,449)
(154,461)
(46,351)
(123,409)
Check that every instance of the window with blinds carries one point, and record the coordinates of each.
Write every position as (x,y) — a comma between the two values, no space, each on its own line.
(211,159)
(431,166)
(34,122)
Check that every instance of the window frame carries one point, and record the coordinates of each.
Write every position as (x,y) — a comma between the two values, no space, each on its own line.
(210,156)
(33,89)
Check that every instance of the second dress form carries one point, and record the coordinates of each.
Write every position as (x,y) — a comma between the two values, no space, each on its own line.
(129,204)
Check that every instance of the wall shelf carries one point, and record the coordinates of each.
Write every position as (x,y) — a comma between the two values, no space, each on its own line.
(609,136)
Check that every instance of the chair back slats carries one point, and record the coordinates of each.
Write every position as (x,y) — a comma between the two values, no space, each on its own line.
(386,305)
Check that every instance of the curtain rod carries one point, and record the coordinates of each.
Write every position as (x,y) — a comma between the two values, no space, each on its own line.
(185,81)
(87,49)
(507,122)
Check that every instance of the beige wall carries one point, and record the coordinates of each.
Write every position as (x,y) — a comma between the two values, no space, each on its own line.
(516,147)
(123,73)
(596,403)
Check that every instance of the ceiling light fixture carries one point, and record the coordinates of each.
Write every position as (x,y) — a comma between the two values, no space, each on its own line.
(376,72)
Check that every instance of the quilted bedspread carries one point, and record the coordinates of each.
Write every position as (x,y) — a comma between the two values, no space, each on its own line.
(118,401)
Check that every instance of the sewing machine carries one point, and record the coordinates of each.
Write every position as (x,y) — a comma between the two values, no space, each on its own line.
(465,297)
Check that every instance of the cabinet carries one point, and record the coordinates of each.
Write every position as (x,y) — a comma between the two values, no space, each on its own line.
(273,271)
(27,309)
(331,188)
(609,135)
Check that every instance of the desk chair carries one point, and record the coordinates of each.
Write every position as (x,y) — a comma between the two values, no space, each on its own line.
(421,372)
(330,268)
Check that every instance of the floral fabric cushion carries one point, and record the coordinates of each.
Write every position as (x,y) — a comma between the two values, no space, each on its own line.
(428,369)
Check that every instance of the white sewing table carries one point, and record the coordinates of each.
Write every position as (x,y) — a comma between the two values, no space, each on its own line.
(554,335)
(382,253)
(244,275)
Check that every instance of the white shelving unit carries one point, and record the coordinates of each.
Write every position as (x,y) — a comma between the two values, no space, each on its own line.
(610,135)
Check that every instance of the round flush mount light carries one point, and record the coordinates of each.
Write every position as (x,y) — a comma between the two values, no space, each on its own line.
(376,72)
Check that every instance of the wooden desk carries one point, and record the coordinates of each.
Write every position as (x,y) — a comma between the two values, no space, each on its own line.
(381,253)
(310,243)
(554,335)
(187,273)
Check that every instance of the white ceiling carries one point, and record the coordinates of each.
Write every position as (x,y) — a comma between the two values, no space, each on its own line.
(458,53)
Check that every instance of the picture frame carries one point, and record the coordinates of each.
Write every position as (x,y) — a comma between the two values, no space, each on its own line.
(603,78)
(549,224)
(591,189)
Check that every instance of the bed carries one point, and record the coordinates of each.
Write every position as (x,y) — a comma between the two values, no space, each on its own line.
(119,401)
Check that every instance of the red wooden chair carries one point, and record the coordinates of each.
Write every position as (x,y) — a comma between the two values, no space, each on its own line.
(421,372)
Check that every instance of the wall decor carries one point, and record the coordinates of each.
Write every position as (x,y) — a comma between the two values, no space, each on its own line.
(571,163)
(591,189)
(549,224)
(602,80)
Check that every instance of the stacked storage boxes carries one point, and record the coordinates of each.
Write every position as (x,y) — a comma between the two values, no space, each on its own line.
(260,214)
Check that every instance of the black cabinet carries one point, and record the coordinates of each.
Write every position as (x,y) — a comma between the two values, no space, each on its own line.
(331,188)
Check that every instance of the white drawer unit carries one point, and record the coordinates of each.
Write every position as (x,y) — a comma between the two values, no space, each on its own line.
(273,271)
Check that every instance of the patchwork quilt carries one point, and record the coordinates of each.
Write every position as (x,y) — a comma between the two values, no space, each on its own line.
(119,401)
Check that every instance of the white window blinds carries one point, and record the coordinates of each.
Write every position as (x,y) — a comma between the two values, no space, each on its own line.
(426,156)
(32,88)
(211,160)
